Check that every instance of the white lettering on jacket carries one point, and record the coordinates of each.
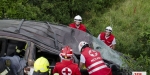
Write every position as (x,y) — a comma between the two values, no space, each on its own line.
(94,59)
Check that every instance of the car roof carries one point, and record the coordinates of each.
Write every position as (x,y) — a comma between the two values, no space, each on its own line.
(38,32)
(48,35)
(52,37)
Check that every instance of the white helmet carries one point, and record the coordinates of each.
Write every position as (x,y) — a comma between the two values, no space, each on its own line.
(81,45)
(108,29)
(78,18)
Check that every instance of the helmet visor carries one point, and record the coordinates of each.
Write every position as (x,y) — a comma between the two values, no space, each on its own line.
(108,30)
(78,20)
(67,57)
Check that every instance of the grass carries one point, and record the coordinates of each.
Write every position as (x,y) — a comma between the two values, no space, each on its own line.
(128,19)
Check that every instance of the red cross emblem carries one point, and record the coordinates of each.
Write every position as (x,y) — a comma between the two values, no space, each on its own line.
(66,71)
(92,53)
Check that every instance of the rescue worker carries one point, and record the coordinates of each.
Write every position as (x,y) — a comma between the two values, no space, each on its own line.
(92,60)
(41,67)
(21,48)
(5,67)
(66,66)
(77,23)
(107,37)
(15,65)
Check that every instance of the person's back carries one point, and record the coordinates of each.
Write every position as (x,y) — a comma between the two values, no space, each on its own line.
(92,60)
(66,66)
(17,64)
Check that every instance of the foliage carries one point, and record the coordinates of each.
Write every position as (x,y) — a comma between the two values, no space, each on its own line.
(18,9)
(139,64)
(130,21)
(58,11)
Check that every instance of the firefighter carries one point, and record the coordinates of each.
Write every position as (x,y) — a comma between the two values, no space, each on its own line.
(5,68)
(77,23)
(107,37)
(41,66)
(14,64)
(92,60)
(66,66)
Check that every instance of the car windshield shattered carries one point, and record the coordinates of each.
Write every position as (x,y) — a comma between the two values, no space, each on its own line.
(50,38)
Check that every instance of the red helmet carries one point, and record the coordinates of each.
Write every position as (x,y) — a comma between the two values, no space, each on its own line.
(66,52)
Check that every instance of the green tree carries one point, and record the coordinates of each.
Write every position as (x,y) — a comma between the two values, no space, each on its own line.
(18,9)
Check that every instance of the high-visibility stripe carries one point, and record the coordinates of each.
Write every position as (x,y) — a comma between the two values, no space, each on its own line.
(4,72)
(26,46)
(96,69)
(96,63)
(18,51)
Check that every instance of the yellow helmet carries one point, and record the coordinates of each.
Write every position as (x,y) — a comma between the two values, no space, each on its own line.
(41,64)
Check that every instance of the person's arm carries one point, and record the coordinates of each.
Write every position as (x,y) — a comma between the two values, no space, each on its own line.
(113,44)
(82,61)
(81,65)
(98,36)
(113,47)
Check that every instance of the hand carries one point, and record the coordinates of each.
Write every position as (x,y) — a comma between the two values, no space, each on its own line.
(26,70)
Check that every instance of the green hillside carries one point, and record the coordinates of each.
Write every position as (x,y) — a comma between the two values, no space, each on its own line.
(129,19)
(131,26)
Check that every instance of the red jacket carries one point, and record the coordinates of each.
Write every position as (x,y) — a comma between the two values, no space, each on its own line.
(108,41)
(66,68)
(94,62)
(82,26)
